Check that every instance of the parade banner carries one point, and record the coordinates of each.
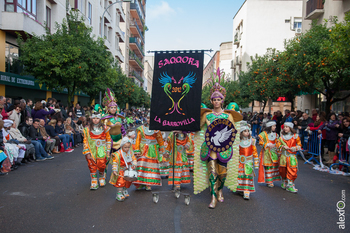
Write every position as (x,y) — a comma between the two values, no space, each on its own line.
(177,91)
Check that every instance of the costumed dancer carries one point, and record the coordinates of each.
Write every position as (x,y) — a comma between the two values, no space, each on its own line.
(112,120)
(181,170)
(268,166)
(221,167)
(97,147)
(247,151)
(132,136)
(122,159)
(149,149)
(190,152)
(289,144)
(164,165)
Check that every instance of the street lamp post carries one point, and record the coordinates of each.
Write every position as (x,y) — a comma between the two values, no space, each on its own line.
(102,28)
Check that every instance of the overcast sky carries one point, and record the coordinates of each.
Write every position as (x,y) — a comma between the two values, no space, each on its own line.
(189,24)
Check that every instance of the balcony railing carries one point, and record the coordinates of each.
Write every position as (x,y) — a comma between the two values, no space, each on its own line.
(237,37)
(134,40)
(134,23)
(136,75)
(132,56)
(136,6)
(314,8)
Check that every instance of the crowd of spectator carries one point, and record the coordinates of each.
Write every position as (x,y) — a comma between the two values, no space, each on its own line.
(334,128)
(31,132)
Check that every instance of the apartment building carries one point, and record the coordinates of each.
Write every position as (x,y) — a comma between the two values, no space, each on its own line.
(320,11)
(134,47)
(110,19)
(259,25)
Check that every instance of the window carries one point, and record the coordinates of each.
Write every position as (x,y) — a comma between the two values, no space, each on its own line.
(90,13)
(26,6)
(48,18)
(12,63)
(297,23)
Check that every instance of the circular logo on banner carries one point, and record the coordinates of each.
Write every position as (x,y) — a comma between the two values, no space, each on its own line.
(220,135)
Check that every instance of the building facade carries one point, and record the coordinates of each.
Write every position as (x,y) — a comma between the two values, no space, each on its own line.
(259,25)
(212,65)
(148,72)
(320,11)
(113,20)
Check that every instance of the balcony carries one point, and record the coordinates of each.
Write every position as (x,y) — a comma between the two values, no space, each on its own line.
(119,55)
(136,75)
(135,61)
(20,22)
(135,45)
(238,60)
(237,38)
(233,64)
(135,30)
(135,11)
(121,12)
(120,34)
(314,9)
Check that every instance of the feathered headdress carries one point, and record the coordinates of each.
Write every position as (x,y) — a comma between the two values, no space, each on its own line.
(109,99)
(218,91)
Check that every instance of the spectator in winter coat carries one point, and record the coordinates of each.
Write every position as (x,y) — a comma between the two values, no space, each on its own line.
(16,115)
(331,128)
(65,138)
(51,142)
(39,113)
(29,104)
(38,141)
(5,115)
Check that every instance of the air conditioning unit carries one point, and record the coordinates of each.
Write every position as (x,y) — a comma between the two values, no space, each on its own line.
(298,30)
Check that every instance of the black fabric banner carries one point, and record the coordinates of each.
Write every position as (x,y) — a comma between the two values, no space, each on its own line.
(177,91)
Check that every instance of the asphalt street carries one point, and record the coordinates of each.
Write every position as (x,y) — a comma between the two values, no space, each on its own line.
(54,196)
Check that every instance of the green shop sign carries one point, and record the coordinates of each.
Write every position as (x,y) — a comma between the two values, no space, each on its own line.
(29,82)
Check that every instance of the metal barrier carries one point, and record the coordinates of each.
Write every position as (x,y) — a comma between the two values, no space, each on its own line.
(254,130)
(314,148)
(343,156)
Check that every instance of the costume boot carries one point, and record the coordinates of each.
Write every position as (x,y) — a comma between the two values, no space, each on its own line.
(222,172)
(213,182)
(102,178)
(125,193)
(284,184)
(94,184)
(120,195)
(291,187)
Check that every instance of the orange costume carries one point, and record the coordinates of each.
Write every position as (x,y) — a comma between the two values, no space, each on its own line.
(288,160)
(119,165)
(268,167)
(97,143)
(151,146)
(182,172)
(247,151)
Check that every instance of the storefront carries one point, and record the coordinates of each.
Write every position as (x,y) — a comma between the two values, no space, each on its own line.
(23,87)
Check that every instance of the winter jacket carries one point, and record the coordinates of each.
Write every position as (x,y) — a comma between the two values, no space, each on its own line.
(40,114)
(24,129)
(34,134)
(304,123)
(50,131)
(15,117)
(16,134)
(332,131)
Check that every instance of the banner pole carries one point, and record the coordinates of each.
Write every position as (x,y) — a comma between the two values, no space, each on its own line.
(174,160)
